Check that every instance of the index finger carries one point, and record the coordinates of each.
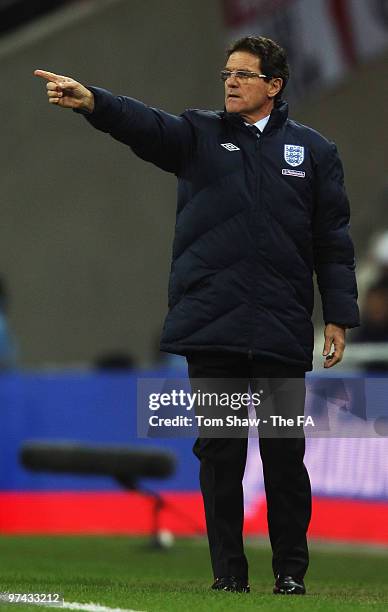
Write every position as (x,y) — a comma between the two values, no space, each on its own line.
(49,76)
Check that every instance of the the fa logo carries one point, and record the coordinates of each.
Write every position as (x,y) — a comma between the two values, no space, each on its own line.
(293,154)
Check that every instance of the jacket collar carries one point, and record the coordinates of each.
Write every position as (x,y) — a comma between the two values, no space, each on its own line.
(277,118)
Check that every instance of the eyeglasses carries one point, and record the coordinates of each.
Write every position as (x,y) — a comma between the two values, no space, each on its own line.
(242,75)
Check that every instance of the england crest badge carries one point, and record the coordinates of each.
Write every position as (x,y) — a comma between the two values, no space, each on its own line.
(293,154)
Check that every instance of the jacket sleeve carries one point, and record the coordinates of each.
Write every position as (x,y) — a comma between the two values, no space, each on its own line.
(333,247)
(153,135)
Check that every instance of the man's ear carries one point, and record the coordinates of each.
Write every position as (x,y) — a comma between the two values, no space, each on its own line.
(275,86)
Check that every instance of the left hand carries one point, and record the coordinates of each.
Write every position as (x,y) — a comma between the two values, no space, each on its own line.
(334,335)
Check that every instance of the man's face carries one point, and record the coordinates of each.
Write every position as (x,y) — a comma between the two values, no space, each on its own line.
(248,97)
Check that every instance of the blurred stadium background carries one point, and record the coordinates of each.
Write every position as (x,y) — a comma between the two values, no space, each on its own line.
(85,240)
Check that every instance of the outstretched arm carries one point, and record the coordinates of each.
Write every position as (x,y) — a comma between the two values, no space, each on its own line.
(154,135)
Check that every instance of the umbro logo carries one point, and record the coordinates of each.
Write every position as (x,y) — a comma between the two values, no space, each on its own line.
(229,146)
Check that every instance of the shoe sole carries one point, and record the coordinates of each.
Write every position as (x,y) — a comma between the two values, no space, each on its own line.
(242,590)
(280,592)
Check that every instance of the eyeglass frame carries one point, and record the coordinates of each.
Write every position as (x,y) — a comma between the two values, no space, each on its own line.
(246,74)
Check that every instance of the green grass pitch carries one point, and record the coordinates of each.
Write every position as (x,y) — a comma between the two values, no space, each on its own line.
(127,573)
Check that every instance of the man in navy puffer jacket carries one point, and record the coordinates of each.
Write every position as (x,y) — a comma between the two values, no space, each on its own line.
(261,206)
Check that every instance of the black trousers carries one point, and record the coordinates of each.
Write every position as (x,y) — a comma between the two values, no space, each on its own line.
(223,459)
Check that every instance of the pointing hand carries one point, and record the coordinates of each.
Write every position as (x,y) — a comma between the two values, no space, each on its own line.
(66,92)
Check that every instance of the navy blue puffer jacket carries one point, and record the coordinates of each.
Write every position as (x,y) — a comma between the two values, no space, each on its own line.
(255,218)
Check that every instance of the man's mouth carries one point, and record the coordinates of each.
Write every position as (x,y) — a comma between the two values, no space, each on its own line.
(233,95)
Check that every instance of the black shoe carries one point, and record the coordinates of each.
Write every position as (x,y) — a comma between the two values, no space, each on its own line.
(231,583)
(287,585)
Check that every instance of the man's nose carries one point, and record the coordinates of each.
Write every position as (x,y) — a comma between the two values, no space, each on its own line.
(231,78)
(232,81)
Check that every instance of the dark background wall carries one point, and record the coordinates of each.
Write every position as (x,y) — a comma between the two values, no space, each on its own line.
(86,228)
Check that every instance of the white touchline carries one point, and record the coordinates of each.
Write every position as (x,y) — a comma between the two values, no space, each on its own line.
(92,607)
